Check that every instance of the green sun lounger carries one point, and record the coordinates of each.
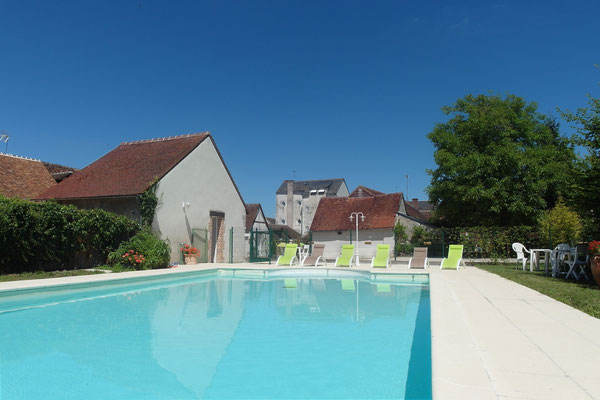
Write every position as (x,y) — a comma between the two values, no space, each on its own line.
(345,259)
(382,257)
(289,256)
(455,252)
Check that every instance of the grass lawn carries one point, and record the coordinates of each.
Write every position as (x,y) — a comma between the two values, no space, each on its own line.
(584,296)
(45,274)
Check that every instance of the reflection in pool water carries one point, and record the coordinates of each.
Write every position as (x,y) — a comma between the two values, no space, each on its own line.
(223,338)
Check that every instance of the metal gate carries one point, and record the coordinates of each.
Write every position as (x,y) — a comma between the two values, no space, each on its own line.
(260,246)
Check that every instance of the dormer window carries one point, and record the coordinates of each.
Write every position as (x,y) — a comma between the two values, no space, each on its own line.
(321,191)
(313,192)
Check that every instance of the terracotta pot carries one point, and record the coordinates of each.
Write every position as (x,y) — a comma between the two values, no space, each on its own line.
(595,265)
(190,259)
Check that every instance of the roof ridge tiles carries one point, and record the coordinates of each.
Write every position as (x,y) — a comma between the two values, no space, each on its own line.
(166,138)
(20,157)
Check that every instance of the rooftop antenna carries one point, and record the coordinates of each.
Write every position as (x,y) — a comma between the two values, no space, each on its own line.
(5,137)
(294,171)
(406,187)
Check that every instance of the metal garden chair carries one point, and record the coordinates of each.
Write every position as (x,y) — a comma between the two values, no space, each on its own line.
(578,262)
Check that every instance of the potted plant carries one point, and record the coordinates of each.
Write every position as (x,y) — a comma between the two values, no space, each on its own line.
(190,254)
(594,252)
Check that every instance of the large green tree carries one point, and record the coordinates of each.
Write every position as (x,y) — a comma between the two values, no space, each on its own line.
(584,193)
(499,162)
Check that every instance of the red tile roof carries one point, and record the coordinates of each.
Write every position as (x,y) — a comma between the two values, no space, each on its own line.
(128,170)
(333,212)
(59,172)
(363,191)
(23,177)
(251,211)
(411,211)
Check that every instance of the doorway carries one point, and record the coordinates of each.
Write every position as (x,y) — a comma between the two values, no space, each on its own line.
(216,227)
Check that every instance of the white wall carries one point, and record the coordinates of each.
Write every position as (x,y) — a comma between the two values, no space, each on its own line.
(367,244)
(280,209)
(202,180)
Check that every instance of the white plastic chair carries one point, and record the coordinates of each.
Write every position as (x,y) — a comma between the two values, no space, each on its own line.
(521,250)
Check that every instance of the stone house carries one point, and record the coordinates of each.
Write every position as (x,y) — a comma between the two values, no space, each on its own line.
(194,188)
(296,201)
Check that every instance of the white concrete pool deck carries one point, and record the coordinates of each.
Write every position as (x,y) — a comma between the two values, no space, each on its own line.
(491,338)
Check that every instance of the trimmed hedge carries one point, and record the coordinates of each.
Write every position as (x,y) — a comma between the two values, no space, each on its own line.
(48,235)
(490,242)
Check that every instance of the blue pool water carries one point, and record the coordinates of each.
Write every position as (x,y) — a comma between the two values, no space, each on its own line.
(210,336)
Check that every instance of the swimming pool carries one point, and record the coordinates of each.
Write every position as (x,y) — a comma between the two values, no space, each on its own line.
(220,335)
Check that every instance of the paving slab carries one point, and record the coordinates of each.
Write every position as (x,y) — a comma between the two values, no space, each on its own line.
(529,345)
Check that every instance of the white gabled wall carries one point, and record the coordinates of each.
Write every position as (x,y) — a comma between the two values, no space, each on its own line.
(201,180)
(256,226)
(260,222)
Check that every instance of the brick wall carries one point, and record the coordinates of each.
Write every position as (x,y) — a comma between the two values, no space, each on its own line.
(220,240)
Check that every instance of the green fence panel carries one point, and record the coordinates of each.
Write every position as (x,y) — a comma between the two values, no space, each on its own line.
(200,241)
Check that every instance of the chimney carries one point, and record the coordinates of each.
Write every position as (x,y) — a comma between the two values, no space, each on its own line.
(415,202)
(289,218)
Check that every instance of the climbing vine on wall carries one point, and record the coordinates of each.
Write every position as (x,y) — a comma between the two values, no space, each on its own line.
(148,202)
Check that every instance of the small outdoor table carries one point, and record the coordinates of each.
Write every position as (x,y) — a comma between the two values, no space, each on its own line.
(535,253)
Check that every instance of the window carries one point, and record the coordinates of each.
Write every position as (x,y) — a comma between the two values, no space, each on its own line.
(321,191)
(300,221)
(300,203)
(283,221)
(313,192)
(283,204)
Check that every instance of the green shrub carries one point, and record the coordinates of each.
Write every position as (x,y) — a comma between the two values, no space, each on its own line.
(404,248)
(419,236)
(156,253)
(48,235)
(400,238)
(560,225)
(489,241)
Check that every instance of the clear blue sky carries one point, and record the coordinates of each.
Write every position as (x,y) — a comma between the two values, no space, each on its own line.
(330,89)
